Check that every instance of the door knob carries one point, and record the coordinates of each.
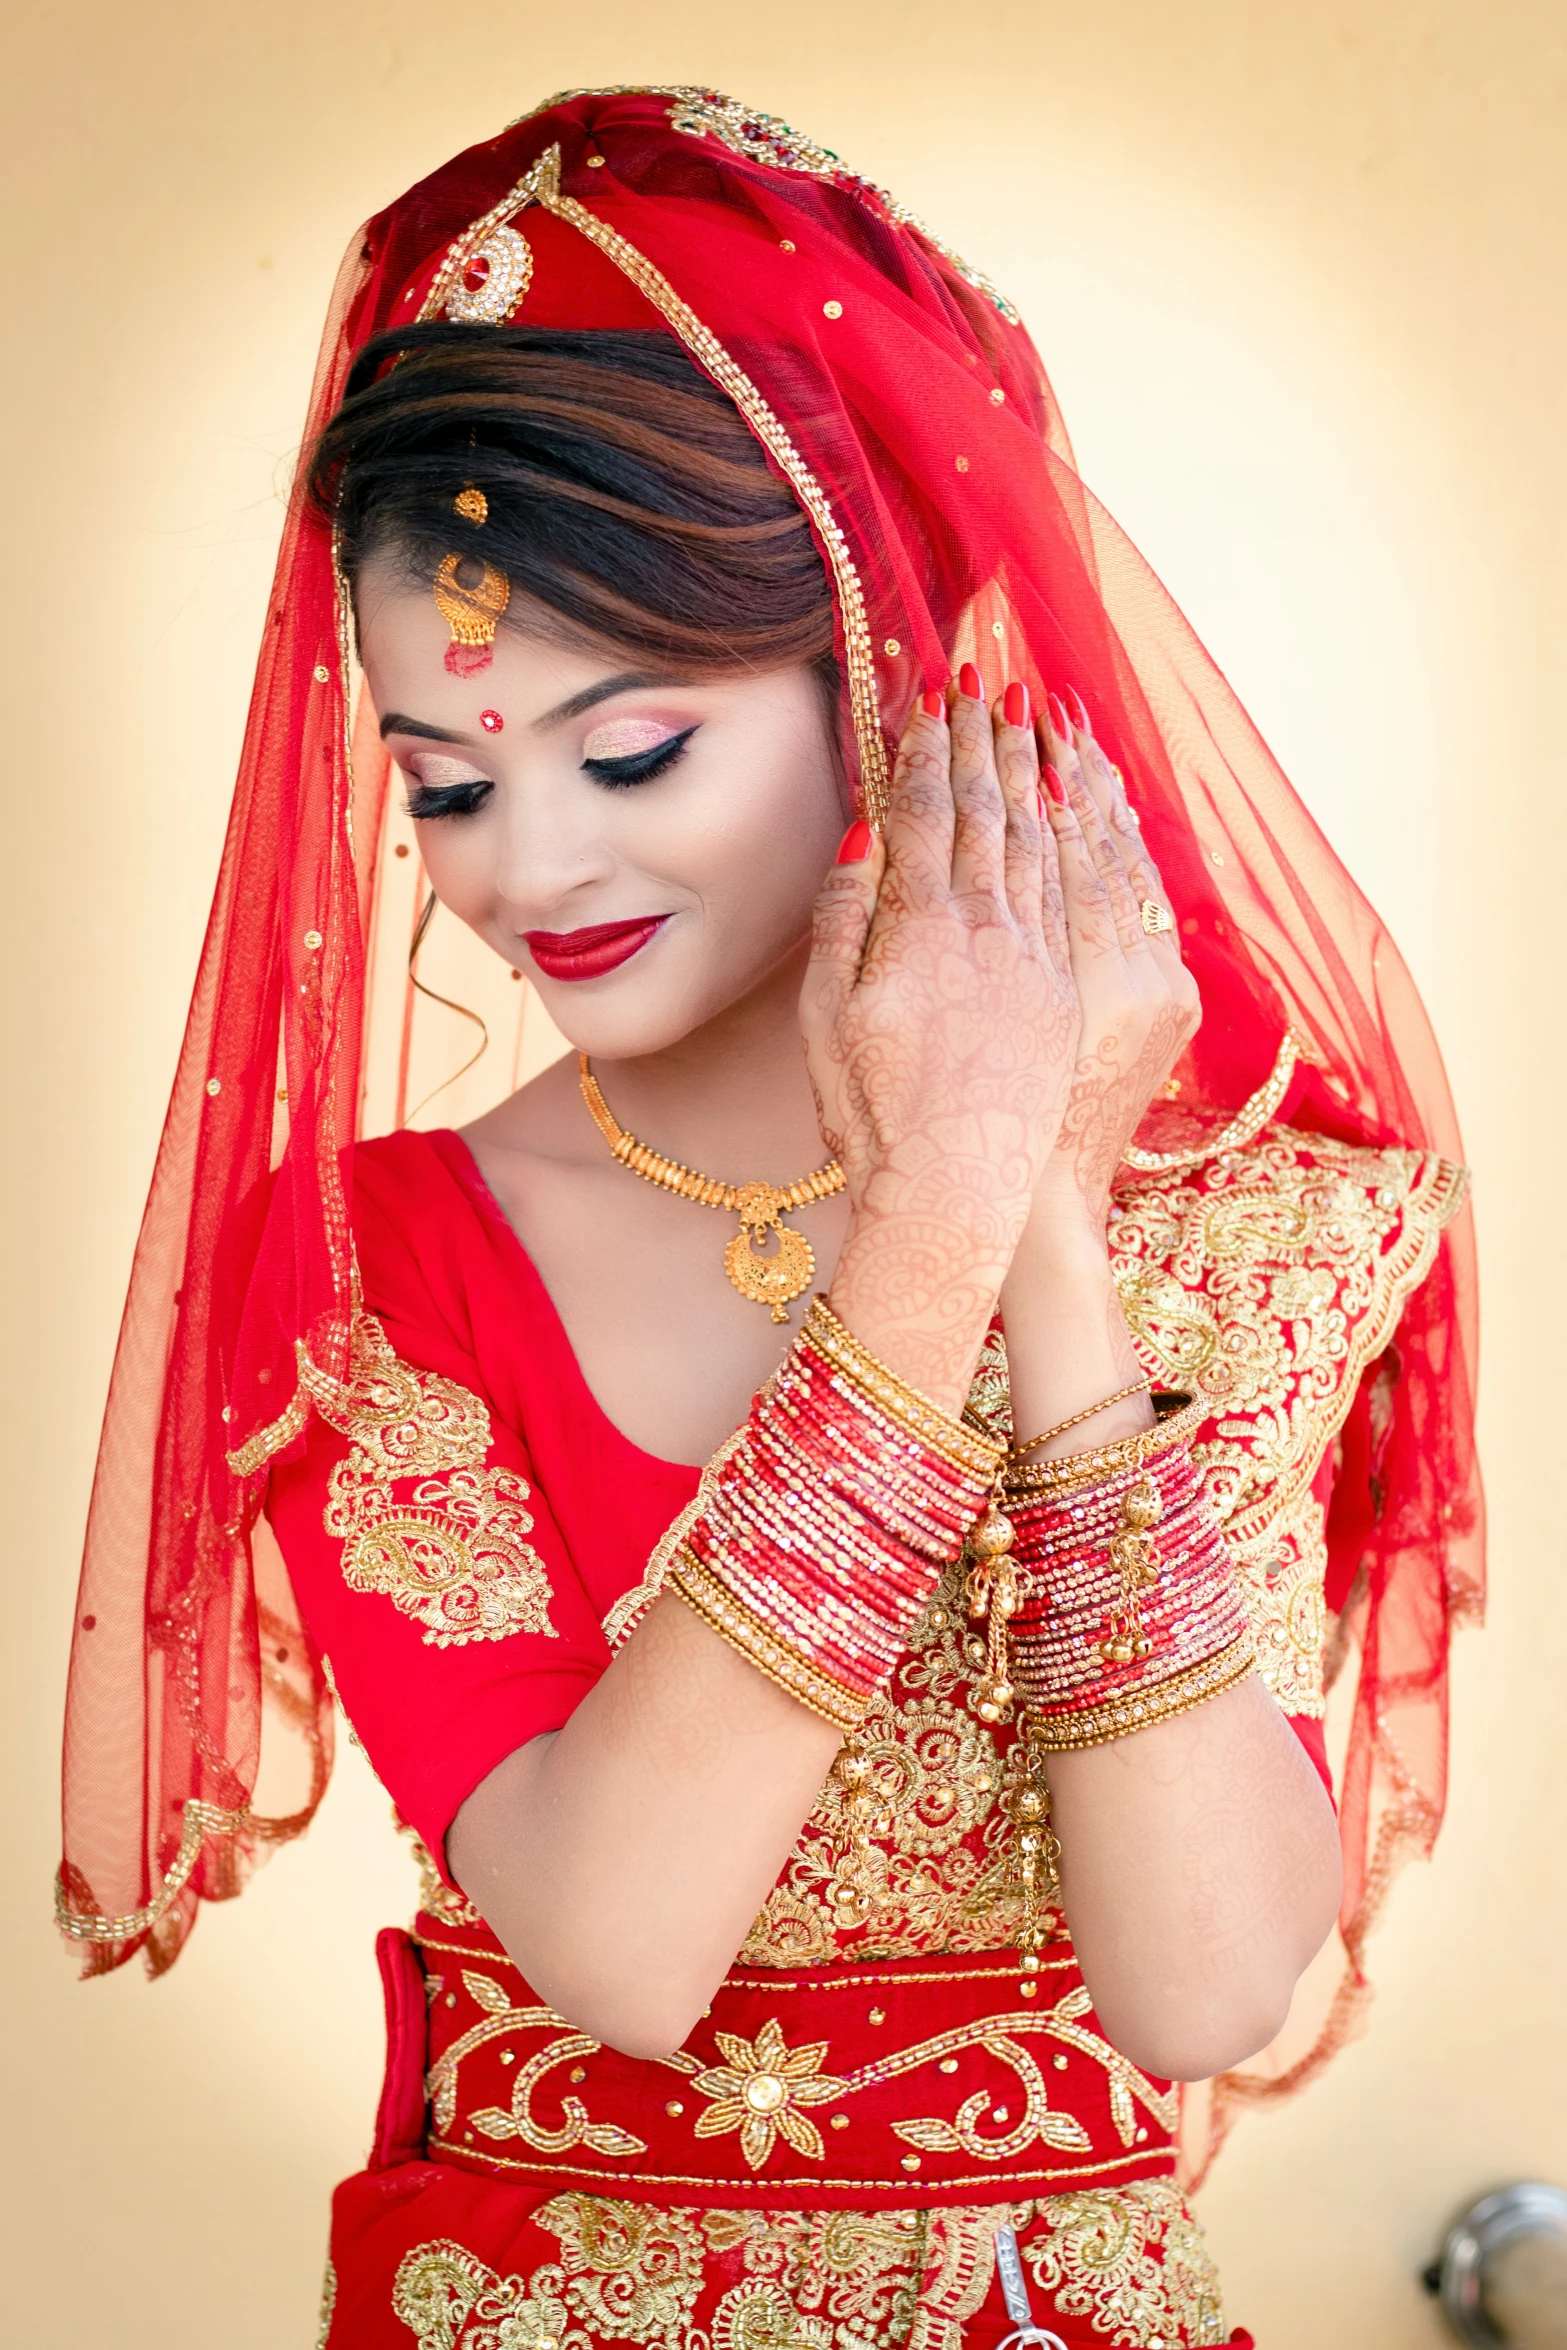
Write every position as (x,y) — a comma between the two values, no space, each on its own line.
(1502,2274)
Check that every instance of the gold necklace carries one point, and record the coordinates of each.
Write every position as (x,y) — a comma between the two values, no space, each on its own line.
(770,1280)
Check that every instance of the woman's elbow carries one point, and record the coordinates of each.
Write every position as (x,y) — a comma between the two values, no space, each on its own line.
(635,2013)
(1201,2038)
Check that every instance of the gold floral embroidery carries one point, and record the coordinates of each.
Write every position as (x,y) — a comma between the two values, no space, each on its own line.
(760,2090)
(763,2084)
(453,1553)
(1133,2260)
(446,2297)
(407,1423)
(501,2020)
(633,2272)
(779,2280)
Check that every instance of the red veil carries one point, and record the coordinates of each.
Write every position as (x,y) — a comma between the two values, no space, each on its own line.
(898,393)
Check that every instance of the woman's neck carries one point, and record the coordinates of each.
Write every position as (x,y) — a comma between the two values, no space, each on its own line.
(732,1099)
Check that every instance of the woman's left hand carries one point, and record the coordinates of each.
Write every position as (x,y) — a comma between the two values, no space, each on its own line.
(1140,1004)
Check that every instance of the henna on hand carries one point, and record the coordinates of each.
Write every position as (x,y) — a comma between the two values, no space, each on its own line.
(1140,1005)
(941,1022)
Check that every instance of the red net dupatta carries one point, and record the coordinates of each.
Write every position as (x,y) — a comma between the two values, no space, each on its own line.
(899,395)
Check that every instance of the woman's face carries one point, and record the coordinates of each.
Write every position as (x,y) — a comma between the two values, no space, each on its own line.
(645,848)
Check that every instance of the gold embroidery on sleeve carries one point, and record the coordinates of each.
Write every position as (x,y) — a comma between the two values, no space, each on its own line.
(452,1553)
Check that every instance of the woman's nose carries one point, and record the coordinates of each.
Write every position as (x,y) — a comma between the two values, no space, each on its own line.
(550,848)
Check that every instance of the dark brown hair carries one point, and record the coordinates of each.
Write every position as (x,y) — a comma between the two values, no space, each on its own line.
(629,505)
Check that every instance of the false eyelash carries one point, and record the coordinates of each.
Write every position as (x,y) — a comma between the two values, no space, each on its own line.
(638,766)
(429,800)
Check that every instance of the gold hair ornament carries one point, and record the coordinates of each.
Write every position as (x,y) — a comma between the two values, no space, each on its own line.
(471,613)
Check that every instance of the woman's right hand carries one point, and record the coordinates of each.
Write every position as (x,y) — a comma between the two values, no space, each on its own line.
(941,1025)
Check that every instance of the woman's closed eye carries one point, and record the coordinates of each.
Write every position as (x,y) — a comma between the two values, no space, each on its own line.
(626,751)
(444,787)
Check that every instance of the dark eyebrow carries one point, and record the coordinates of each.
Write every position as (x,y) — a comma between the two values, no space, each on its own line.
(626,681)
(395,723)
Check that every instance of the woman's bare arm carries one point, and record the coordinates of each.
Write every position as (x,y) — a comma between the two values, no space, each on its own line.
(1199,1858)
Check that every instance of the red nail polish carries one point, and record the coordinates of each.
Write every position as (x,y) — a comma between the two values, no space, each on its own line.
(855,845)
(1055,787)
(1014,705)
(1060,724)
(1039,802)
(1075,703)
(933,704)
(969,682)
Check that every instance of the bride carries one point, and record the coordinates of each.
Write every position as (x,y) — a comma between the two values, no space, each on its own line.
(833,1509)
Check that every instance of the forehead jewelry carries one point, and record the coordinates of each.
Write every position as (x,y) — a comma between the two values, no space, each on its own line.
(472,613)
(771,1279)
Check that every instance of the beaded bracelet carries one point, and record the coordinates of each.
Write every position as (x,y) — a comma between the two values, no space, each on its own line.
(1125,1610)
(831,1521)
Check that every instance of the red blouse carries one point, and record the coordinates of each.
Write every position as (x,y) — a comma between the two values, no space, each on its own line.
(457,1296)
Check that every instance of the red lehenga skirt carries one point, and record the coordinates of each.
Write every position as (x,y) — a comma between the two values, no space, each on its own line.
(823,2166)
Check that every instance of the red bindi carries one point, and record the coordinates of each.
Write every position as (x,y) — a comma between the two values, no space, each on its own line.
(491,721)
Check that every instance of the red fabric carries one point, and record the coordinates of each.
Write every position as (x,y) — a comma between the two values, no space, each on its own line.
(876,2030)
(399,2120)
(457,1295)
(940,470)
(559,2173)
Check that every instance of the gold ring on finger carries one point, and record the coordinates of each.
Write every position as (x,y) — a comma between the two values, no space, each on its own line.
(1156,919)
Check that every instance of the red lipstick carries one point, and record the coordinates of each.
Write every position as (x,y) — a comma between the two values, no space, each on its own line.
(588,954)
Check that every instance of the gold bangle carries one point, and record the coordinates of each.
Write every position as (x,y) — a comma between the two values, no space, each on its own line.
(1092,1412)
(761,1647)
(1177,1424)
(1118,1717)
(977,1456)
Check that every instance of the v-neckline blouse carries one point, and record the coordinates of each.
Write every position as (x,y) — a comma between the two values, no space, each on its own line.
(464,1615)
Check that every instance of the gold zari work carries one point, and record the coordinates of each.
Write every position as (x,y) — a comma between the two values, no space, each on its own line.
(1133,2261)
(769,2086)
(452,1552)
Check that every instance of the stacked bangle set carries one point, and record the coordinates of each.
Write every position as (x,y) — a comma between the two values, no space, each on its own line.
(1101,1577)
(831,1522)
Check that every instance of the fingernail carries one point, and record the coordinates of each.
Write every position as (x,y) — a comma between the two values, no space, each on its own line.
(969,682)
(1061,725)
(1014,705)
(1039,802)
(933,704)
(1075,700)
(855,845)
(1055,787)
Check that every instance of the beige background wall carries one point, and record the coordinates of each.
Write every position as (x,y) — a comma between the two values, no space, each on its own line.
(1296,267)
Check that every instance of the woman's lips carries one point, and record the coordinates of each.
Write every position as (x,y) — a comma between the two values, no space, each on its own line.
(588,954)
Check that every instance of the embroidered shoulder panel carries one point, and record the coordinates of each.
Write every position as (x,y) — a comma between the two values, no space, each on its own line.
(421,1518)
(1266,1281)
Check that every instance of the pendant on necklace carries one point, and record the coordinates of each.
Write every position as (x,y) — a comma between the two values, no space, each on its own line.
(783,1274)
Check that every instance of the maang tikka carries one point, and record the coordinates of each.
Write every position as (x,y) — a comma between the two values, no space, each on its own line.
(471,613)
